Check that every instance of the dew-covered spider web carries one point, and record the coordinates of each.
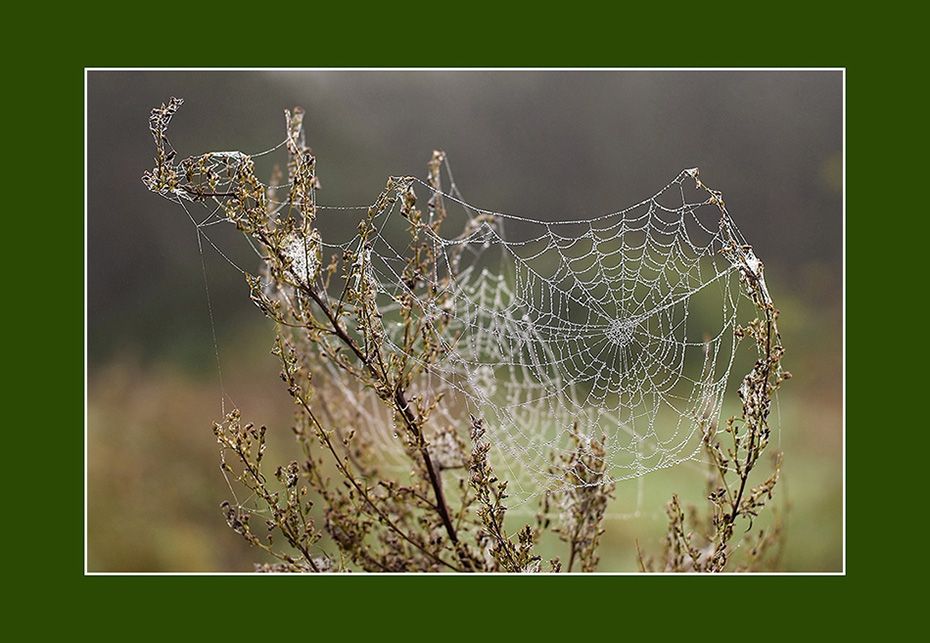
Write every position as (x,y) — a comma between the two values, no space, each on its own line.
(618,328)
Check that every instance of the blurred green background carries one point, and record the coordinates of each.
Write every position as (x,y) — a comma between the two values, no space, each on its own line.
(542,143)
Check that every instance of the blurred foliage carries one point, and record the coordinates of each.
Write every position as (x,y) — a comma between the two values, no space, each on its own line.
(155,488)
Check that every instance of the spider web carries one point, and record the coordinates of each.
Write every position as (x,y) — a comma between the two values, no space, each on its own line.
(618,328)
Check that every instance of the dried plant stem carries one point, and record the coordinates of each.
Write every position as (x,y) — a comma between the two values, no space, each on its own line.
(400,403)
(361,489)
(336,337)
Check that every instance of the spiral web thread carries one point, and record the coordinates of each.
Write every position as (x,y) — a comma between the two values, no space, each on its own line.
(619,328)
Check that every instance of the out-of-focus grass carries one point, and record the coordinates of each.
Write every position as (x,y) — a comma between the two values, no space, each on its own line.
(154,485)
